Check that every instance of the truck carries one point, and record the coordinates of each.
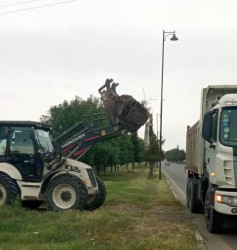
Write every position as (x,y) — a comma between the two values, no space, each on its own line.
(211,157)
(35,168)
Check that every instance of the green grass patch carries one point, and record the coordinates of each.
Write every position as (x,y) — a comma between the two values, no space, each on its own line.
(138,214)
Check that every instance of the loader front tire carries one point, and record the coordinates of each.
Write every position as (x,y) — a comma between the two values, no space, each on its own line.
(9,190)
(66,192)
(99,199)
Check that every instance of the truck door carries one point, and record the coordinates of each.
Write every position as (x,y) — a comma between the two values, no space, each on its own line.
(210,157)
(22,152)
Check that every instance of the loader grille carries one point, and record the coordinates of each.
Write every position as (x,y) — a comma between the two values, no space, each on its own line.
(92,177)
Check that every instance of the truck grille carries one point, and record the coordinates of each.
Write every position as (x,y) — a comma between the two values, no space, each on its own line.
(92,177)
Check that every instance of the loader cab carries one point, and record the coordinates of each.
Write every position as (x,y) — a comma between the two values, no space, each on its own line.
(23,144)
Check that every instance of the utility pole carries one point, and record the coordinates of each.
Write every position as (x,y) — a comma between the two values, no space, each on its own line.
(173,38)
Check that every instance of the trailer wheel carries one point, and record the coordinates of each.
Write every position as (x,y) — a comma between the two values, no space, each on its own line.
(66,192)
(214,220)
(188,192)
(99,199)
(9,190)
(195,205)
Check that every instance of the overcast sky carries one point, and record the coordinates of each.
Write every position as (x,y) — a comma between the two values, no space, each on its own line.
(51,54)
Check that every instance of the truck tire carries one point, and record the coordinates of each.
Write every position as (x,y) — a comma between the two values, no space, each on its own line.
(66,192)
(9,190)
(195,205)
(99,199)
(188,192)
(31,204)
(214,220)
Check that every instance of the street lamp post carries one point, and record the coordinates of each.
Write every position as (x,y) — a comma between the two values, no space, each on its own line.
(173,38)
(157,125)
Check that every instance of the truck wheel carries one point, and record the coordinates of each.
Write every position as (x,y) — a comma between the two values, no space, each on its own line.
(9,190)
(188,192)
(99,199)
(31,204)
(214,220)
(195,205)
(66,192)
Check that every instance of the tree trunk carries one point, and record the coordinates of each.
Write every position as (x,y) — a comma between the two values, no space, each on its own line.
(104,169)
(133,166)
(151,165)
(111,168)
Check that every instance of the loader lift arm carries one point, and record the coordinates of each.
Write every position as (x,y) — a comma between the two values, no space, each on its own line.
(84,135)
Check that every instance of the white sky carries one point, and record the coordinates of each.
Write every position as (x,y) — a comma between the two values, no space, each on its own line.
(51,54)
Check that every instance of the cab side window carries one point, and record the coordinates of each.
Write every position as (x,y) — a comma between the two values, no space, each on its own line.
(3,141)
(20,141)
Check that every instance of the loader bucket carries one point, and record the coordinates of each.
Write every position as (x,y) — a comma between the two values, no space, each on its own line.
(123,111)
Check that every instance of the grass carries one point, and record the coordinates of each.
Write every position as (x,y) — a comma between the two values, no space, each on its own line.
(138,214)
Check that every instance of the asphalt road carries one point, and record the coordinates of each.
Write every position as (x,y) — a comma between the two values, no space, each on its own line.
(177,178)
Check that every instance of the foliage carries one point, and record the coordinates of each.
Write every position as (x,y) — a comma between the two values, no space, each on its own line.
(65,115)
(121,150)
(153,153)
(125,149)
(175,155)
(138,147)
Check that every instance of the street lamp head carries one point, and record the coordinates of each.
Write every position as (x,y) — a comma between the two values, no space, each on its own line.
(174,37)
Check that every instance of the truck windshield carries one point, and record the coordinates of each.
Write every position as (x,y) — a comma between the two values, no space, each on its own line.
(44,141)
(228,128)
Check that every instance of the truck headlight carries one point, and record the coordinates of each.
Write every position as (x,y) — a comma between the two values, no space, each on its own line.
(229,200)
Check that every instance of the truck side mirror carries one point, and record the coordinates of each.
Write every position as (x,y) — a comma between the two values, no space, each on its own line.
(207,126)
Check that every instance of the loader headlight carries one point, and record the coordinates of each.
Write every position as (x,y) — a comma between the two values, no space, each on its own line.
(229,200)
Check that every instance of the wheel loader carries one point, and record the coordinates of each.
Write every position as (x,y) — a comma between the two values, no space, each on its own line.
(37,169)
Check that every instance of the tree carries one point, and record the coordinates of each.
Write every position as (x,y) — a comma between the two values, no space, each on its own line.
(152,155)
(140,152)
(126,149)
(64,115)
(116,151)
(175,155)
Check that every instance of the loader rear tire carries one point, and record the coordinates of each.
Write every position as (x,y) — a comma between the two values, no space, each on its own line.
(9,190)
(66,192)
(99,199)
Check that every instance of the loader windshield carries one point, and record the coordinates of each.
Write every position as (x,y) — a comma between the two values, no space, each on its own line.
(228,127)
(43,140)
